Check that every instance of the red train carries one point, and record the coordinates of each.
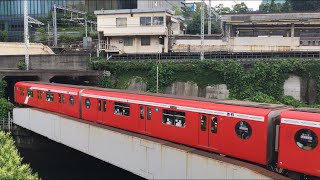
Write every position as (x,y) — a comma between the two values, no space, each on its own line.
(249,131)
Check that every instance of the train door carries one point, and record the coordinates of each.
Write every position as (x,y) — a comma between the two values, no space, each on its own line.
(61,102)
(102,110)
(145,118)
(208,130)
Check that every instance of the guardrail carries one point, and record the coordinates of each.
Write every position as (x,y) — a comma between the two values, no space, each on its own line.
(6,123)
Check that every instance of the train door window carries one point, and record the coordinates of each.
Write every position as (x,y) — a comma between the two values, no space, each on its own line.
(214,125)
(87,103)
(141,112)
(71,100)
(306,139)
(61,98)
(99,105)
(203,123)
(104,106)
(174,118)
(148,113)
(39,94)
(243,130)
(122,109)
(22,91)
(49,96)
(30,93)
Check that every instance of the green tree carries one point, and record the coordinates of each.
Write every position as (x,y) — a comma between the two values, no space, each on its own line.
(275,7)
(286,7)
(305,5)
(4,37)
(240,8)
(220,9)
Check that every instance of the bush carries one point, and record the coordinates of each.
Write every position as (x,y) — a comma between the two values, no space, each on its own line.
(262,98)
(11,166)
(22,65)
(68,38)
(289,100)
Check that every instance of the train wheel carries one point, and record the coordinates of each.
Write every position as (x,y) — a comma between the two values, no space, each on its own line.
(295,175)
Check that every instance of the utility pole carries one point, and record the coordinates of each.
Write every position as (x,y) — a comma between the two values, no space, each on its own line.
(210,18)
(202,30)
(26,33)
(55,30)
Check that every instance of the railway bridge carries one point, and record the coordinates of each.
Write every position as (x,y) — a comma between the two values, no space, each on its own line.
(144,156)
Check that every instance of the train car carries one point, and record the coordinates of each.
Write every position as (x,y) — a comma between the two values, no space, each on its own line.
(299,150)
(243,130)
(54,98)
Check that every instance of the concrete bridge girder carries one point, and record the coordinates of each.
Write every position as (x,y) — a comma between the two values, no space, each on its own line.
(142,155)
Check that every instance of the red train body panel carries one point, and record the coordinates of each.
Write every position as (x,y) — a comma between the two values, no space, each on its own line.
(238,130)
(299,137)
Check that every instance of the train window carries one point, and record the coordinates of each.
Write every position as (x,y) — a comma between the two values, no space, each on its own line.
(243,130)
(61,98)
(122,109)
(71,100)
(49,96)
(148,113)
(30,93)
(99,105)
(203,123)
(39,94)
(141,112)
(173,118)
(22,91)
(104,106)
(214,125)
(87,103)
(306,139)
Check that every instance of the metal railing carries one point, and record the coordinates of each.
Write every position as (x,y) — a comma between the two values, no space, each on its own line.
(6,123)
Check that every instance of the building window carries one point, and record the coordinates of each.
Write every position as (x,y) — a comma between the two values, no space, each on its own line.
(145,21)
(122,109)
(30,93)
(306,139)
(121,22)
(174,118)
(158,21)
(214,125)
(145,41)
(49,96)
(243,130)
(87,103)
(71,100)
(203,123)
(128,41)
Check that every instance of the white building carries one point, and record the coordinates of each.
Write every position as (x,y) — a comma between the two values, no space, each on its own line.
(136,31)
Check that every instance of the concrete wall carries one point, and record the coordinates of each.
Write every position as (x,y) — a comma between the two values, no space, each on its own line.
(48,62)
(145,156)
(14,48)
(292,87)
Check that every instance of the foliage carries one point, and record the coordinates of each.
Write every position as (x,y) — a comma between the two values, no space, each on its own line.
(240,8)
(305,5)
(4,37)
(220,9)
(289,100)
(68,38)
(262,98)
(5,107)
(22,65)
(3,85)
(11,166)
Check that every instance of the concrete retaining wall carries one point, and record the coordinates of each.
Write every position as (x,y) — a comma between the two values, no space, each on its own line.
(48,62)
(145,156)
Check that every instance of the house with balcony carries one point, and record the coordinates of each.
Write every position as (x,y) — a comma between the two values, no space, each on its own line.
(136,31)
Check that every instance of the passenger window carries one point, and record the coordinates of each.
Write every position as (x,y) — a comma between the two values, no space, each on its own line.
(39,94)
(203,123)
(30,93)
(71,100)
(243,130)
(214,125)
(87,103)
(104,106)
(49,96)
(173,118)
(141,112)
(306,139)
(148,113)
(99,105)
(22,91)
(122,109)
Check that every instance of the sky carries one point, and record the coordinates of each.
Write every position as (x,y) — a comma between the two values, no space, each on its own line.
(254,4)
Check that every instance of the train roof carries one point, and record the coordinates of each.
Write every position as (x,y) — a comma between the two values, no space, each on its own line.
(226,102)
(310,110)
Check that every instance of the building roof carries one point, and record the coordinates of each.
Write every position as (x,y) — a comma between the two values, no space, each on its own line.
(133,11)
(282,17)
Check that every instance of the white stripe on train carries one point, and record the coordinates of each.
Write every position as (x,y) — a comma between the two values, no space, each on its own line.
(300,122)
(205,111)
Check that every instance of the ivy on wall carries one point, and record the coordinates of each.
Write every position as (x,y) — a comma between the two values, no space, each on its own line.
(5,105)
(259,80)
